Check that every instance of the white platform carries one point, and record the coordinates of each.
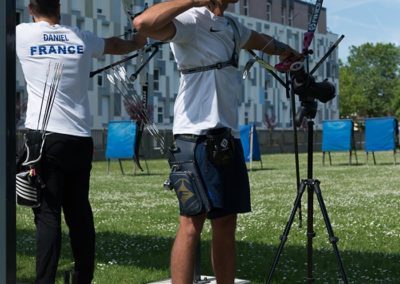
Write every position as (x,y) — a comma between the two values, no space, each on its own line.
(212,278)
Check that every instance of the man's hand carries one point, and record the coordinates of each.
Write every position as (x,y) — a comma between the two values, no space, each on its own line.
(287,58)
(290,53)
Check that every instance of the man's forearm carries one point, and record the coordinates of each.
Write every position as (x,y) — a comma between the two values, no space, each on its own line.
(269,45)
(115,45)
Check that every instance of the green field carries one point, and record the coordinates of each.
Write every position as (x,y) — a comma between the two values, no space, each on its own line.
(136,221)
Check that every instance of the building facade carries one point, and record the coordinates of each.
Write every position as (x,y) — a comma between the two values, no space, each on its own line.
(263,99)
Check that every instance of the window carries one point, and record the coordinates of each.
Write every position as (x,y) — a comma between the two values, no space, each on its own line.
(75,5)
(156,77)
(290,18)
(269,10)
(160,114)
(80,22)
(245,8)
(117,104)
(100,80)
(171,55)
(283,15)
(156,74)
(160,52)
(18,17)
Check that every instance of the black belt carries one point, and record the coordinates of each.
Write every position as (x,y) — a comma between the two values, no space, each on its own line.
(189,137)
(194,137)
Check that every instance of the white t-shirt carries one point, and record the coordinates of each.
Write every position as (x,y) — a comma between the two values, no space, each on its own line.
(206,99)
(37,45)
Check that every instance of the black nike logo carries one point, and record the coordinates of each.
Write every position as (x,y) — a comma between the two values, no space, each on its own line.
(214,31)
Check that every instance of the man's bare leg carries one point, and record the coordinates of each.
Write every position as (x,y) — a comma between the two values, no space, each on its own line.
(184,249)
(223,251)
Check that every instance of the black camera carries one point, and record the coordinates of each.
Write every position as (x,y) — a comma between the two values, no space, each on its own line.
(307,88)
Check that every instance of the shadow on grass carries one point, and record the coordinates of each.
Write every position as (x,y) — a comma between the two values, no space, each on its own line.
(144,174)
(254,260)
(382,164)
(260,170)
(344,164)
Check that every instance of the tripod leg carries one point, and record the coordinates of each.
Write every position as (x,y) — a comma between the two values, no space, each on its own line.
(196,271)
(285,234)
(355,154)
(333,240)
(350,157)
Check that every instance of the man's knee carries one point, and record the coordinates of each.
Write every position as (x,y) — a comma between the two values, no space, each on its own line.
(224,225)
(191,226)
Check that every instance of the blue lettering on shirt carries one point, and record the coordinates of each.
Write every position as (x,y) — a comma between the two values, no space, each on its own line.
(33,49)
(52,49)
(56,49)
(62,49)
(55,37)
(71,49)
(42,50)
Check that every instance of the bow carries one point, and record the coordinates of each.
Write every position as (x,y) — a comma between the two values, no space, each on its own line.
(142,73)
(137,106)
(135,102)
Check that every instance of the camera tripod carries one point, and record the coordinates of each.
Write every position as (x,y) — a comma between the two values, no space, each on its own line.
(309,106)
(308,111)
(299,80)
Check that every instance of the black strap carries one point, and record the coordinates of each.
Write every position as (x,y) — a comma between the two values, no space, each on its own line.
(219,65)
(233,61)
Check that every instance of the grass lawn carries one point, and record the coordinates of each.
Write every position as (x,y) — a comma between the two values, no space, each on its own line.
(136,222)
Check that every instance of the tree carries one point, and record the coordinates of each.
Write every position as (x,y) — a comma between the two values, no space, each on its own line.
(370,82)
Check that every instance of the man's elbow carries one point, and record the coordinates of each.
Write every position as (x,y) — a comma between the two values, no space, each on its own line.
(140,25)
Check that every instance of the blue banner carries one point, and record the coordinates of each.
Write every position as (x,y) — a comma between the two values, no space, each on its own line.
(246,131)
(121,139)
(337,135)
(380,134)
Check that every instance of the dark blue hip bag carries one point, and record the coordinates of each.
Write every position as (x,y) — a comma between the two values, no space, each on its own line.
(194,162)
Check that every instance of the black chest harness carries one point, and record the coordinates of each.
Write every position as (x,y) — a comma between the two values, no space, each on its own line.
(233,61)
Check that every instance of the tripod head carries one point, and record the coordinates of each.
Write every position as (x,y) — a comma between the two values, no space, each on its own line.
(307,88)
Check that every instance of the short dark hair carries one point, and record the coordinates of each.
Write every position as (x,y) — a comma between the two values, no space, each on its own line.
(47,8)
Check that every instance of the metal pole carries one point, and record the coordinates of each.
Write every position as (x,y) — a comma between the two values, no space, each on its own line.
(7,143)
(310,203)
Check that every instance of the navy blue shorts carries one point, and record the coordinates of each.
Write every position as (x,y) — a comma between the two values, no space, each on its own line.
(227,186)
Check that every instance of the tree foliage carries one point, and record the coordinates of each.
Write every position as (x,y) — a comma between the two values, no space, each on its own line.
(370,82)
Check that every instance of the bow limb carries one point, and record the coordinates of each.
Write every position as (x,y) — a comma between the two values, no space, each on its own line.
(139,132)
(285,65)
(308,37)
(142,60)
(128,7)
